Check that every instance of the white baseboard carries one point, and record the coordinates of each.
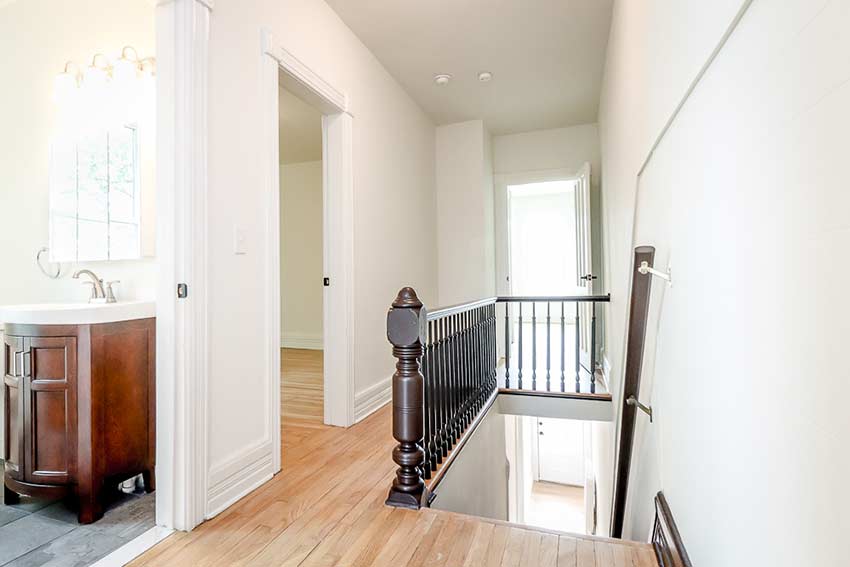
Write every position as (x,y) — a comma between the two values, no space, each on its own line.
(372,399)
(238,476)
(133,548)
(302,340)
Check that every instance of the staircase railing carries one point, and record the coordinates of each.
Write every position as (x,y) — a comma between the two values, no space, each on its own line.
(447,372)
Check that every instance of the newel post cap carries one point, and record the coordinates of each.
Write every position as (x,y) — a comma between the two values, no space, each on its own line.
(406,319)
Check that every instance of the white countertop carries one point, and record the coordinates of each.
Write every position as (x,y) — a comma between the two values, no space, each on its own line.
(76,313)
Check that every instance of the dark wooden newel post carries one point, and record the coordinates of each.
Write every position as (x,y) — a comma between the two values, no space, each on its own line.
(406,324)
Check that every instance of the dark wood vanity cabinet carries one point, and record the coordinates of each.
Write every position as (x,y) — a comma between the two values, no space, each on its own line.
(79,412)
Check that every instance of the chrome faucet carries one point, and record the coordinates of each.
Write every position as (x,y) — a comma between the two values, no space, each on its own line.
(98,295)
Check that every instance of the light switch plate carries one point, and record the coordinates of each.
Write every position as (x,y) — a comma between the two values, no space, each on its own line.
(240,239)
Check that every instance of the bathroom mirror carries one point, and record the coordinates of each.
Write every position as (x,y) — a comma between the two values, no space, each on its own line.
(95,195)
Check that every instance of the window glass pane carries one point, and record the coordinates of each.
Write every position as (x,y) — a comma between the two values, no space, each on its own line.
(122,203)
(123,241)
(92,240)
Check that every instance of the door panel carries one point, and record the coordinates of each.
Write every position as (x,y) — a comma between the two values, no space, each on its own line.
(560,451)
(13,418)
(584,259)
(50,409)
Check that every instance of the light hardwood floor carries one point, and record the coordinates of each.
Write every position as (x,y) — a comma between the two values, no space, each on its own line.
(302,384)
(326,508)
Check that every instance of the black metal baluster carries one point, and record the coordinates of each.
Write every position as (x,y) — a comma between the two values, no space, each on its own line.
(444,385)
(548,344)
(563,351)
(465,348)
(519,350)
(451,367)
(578,350)
(533,346)
(429,391)
(433,399)
(507,345)
(593,347)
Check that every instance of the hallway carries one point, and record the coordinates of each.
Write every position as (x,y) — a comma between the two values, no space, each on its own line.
(302,384)
(327,508)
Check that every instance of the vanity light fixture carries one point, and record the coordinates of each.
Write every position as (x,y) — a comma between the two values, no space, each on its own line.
(442,79)
(96,77)
(485,76)
(66,82)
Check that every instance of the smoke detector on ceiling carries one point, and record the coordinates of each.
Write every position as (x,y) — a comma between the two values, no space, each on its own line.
(442,80)
(485,76)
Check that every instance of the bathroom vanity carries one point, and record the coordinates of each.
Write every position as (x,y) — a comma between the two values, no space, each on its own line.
(79,392)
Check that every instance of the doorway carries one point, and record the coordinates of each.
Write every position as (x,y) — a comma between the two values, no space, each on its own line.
(301,259)
(544,249)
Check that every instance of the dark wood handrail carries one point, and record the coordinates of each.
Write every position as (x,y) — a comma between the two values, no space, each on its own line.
(553,298)
(638,315)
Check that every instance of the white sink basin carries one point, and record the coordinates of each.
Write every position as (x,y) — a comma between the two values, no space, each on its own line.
(76,313)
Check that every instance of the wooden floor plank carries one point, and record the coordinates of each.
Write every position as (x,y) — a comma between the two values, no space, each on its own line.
(326,509)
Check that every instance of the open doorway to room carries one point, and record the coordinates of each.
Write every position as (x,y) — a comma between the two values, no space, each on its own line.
(551,482)
(301,259)
(544,248)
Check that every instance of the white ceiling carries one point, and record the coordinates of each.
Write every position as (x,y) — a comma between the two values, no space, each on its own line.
(546,56)
(300,130)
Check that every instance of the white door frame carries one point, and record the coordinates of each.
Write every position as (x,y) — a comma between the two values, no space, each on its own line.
(182,49)
(280,66)
(182,28)
(501,183)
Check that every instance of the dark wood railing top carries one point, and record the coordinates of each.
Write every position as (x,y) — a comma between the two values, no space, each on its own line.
(553,298)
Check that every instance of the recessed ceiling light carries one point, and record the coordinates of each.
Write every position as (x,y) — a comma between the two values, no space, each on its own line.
(442,80)
(485,76)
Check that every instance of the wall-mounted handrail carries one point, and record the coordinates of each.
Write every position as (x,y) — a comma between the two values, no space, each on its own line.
(635,339)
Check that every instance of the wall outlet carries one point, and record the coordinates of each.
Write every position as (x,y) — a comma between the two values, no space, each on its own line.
(240,240)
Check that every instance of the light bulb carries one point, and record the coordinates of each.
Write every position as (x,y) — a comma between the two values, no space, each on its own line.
(64,88)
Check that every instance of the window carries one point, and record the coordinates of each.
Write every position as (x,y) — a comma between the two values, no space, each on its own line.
(94,197)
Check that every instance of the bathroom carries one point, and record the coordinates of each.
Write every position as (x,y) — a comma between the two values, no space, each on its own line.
(77,309)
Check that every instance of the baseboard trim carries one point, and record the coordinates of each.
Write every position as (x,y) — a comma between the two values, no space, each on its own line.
(240,475)
(134,548)
(308,342)
(372,399)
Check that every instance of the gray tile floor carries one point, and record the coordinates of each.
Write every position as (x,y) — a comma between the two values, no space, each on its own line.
(42,532)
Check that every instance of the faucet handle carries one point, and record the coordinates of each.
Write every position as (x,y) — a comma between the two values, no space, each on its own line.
(110,295)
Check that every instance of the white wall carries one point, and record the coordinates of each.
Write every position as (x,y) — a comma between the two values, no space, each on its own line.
(39,36)
(557,148)
(477,481)
(465,237)
(301,254)
(746,377)
(394,207)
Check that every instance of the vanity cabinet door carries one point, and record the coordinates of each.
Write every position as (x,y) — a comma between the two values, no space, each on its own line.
(50,413)
(14,349)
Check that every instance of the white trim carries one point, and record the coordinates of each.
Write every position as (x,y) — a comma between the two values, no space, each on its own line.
(372,399)
(182,349)
(307,341)
(307,77)
(338,242)
(338,233)
(270,97)
(239,475)
(133,548)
